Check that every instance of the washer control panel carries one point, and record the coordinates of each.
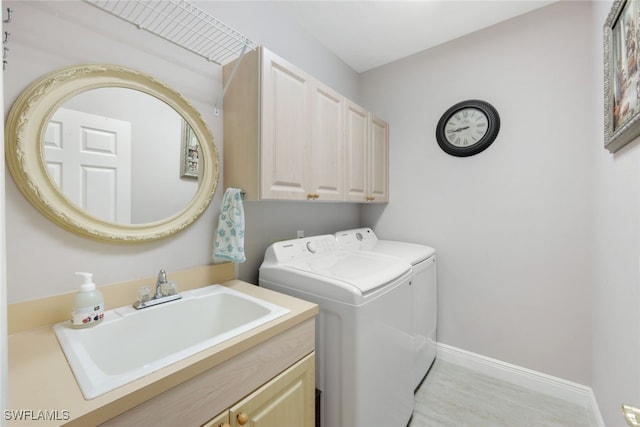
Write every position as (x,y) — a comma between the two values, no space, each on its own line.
(308,246)
(357,239)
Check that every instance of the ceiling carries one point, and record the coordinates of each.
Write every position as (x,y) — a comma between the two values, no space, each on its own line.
(367,34)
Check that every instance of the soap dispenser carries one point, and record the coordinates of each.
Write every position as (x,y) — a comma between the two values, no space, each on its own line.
(88,304)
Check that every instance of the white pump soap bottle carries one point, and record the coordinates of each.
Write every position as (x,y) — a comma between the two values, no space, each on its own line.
(88,304)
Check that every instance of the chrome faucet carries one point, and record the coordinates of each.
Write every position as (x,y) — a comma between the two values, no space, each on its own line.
(165,292)
(162,279)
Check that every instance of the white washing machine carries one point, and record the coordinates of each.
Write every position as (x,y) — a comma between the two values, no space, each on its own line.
(423,261)
(363,331)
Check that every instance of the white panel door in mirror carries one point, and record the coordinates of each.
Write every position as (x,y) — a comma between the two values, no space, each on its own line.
(89,158)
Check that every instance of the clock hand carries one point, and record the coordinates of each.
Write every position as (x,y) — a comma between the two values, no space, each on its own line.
(459,129)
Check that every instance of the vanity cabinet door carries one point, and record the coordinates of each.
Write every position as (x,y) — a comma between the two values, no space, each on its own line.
(287,400)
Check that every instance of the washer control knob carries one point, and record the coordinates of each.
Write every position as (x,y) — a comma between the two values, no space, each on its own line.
(311,247)
(359,237)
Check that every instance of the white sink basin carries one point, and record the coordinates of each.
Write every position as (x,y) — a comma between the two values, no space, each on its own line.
(129,344)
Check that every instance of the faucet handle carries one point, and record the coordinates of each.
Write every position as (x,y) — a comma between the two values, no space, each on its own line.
(144,294)
(162,277)
(172,288)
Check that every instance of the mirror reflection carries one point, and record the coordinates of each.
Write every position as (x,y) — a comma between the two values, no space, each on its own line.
(122,155)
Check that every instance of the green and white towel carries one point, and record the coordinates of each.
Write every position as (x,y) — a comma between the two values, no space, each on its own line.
(229,239)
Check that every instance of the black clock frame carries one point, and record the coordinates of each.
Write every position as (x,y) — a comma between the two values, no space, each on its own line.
(493,128)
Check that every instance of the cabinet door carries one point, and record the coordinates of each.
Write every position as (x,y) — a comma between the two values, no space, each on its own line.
(378,159)
(287,400)
(286,136)
(356,140)
(327,136)
(221,420)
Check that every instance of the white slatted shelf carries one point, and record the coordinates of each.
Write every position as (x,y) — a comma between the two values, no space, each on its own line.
(183,24)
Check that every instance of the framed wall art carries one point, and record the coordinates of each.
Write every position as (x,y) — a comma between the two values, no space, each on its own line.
(621,75)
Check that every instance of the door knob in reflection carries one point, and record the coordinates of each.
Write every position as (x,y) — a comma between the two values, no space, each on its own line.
(631,415)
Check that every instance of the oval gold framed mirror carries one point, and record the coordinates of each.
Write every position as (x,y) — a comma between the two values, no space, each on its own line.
(86,196)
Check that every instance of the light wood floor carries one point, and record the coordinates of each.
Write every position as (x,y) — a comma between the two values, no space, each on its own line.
(454,396)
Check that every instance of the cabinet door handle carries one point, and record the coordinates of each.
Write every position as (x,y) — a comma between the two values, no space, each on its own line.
(312,196)
(370,198)
(242,418)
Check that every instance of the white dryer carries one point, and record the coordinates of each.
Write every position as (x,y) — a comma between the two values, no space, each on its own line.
(363,331)
(424,285)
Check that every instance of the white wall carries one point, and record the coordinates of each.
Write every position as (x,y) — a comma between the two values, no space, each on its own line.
(48,35)
(616,274)
(271,26)
(512,225)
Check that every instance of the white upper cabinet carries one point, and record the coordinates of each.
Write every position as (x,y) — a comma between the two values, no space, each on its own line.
(378,160)
(286,130)
(327,142)
(356,140)
(367,154)
(289,137)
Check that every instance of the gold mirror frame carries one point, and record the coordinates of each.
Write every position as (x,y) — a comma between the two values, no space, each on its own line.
(27,122)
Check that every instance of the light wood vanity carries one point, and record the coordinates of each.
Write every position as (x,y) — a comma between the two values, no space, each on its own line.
(271,366)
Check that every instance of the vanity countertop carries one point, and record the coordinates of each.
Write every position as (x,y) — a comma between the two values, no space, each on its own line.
(42,389)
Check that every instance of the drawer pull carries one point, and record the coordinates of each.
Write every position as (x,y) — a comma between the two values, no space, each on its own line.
(242,418)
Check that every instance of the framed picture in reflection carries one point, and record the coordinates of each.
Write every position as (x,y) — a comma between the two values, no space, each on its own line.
(189,153)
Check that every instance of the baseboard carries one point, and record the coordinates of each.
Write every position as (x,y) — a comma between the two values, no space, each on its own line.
(537,381)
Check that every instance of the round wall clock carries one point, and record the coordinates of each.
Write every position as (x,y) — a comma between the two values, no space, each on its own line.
(467,128)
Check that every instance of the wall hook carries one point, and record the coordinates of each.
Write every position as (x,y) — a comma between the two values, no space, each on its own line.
(5,50)
(9,15)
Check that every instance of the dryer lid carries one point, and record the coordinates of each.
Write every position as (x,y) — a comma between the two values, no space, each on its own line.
(411,252)
(364,239)
(366,271)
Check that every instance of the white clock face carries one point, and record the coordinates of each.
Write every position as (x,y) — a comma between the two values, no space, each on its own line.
(466,127)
